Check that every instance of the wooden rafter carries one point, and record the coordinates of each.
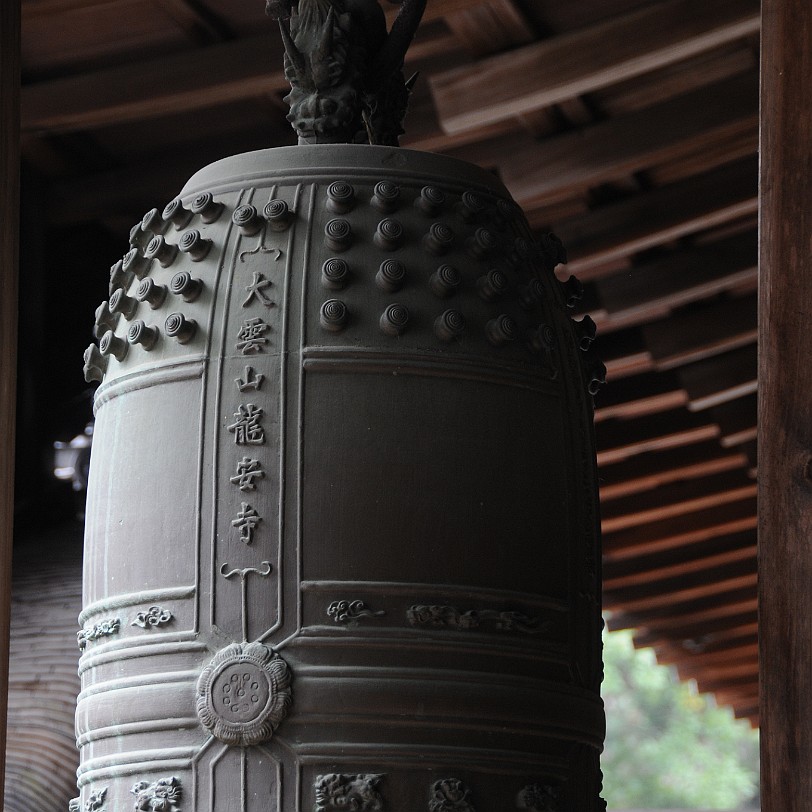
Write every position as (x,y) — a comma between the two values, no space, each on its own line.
(570,65)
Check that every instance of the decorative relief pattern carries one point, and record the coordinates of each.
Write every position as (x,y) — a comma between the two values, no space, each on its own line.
(344,611)
(246,571)
(163,795)
(243,575)
(450,795)
(453,618)
(154,616)
(539,798)
(95,800)
(243,694)
(103,628)
(352,792)
(262,248)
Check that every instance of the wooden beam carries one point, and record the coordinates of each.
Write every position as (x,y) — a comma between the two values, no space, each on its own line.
(744,702)
(573,64)
(681,531)
(638,396)
(491,26)
(737,421)
(721,379)
(201,24)
(676,499)
(673,80)
(661,468)
(745,622)
(9,255)
(747,665)
(741,683)
(615,231)
(169,84)
(702,332)
(691,614)
(719,650)
(785,405)
(624,354)
(667,594)
(740,547)
(620,439)
(750,713)
(540,173)
(435,10)
(705,159)
(679,278)
(175,83)
(611,150)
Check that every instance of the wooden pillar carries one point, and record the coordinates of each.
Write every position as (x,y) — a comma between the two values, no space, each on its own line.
(9,221)
(785,409)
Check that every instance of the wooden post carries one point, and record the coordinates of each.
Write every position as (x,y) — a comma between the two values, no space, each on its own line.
(785,410)
(9,222)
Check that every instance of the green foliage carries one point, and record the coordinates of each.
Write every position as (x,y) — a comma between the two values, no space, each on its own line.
(667,746)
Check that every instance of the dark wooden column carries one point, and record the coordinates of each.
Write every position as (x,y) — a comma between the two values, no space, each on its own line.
(9,206)
(785,419)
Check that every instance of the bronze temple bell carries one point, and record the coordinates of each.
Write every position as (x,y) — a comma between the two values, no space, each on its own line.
(341,544)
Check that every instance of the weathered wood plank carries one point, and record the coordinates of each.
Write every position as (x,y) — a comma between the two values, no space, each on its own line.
(692,614)
(615,231)
(543,173)
(678,279)
(676,499)
(746,665)
(100,35)
(624,354)
(721,379)
(744,623)
(9,248)
(703,332)
(737,421)
(704,119)
(738,682)
(667,593)
(785,405)
(677,563)
(681,77)
(639,395)
(576,63)
(491,26)
(201,24)
(715,652)
(664,467)
(681,531)
(155,87)
(621,439)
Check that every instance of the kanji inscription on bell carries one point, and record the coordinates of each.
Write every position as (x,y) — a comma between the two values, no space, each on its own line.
(246,427)
(248,472)
(353,501)
(251,336)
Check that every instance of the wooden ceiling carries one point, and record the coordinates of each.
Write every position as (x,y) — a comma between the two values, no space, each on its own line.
(627,127)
